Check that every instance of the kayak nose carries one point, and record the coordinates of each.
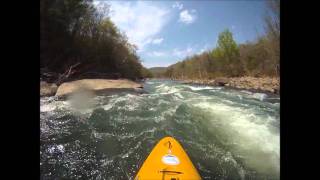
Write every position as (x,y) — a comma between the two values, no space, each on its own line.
(168,160)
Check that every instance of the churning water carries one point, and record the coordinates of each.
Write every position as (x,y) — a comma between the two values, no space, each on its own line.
(228,134)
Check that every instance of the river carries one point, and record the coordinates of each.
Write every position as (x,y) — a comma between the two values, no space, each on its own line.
(228,134)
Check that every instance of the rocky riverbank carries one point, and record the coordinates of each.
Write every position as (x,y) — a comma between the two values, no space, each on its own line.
(92,85)
(267,84)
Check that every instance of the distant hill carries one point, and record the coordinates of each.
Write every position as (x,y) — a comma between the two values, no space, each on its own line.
(158,71)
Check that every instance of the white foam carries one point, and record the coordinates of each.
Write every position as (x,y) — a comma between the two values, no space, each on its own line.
(131,107)
(178,95)
(47,107)
(161,86)
(166,89)
(164,114)
(246,92)
(130,100)
(260,96)
(107,107)
(161,101)
(51,105)
(58,148)
(199,88)
(249,132)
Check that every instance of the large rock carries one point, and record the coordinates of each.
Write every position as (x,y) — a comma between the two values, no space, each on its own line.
(47,89)
(96,85)
(221,81)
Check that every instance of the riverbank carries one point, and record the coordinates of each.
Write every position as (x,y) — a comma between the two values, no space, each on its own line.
(92,85)
(263,84)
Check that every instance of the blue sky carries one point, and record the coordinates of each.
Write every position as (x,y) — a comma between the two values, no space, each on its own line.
(165,32)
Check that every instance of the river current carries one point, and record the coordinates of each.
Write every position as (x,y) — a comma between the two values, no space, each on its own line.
(227,133)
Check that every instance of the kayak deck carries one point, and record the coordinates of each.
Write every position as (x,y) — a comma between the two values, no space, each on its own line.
(168,161)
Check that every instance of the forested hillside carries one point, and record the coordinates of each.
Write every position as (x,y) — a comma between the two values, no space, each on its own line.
(77,41)
(158,72)
(229,59)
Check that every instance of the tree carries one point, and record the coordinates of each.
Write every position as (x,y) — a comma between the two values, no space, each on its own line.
(74,32)
(273,34)
(273,19)
(227,52)
(258,58)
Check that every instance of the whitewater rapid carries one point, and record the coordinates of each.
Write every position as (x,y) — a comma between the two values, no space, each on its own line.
(228,134)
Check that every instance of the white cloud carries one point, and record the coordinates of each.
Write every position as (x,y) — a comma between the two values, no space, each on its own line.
(157,53)
(157,41)
(140,21)
(177,52)
(187,17)
(177,5)
(157,64)
(182,53)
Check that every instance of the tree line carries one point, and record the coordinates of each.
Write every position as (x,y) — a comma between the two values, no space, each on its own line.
(77,40)
(228,59)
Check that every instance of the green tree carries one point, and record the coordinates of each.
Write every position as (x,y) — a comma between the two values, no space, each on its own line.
(227,52)
(258,58)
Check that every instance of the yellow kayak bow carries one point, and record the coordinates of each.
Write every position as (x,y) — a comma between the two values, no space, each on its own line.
(168,161)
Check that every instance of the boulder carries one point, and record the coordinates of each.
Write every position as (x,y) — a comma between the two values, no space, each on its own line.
(221,81)
(97,86)
(47,89)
